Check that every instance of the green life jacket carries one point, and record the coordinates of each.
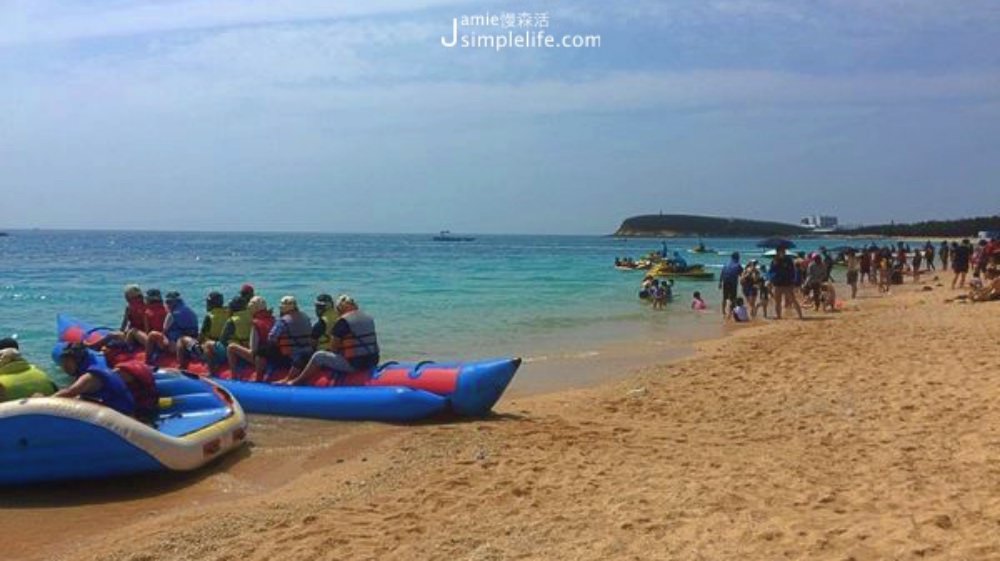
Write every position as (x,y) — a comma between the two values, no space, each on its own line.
(217,321)
(330,317)
(19,379)
(243,324)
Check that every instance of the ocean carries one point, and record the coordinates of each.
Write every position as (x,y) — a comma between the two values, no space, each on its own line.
(499,295)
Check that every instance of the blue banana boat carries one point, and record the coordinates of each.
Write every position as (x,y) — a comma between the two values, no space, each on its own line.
(389,404)
(394,392)
(52,439)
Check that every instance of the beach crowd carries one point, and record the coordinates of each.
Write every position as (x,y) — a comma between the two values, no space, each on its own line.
(808,279)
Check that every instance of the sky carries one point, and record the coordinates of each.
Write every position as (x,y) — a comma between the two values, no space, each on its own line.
(355,117)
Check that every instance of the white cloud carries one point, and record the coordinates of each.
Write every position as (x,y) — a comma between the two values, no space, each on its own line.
(644,90)
(34,21)
(884,14)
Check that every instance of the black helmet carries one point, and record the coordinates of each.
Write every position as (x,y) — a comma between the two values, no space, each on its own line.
(324,301)
(237,304)
(214,300)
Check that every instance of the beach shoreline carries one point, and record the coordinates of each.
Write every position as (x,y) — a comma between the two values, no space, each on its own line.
(741,450)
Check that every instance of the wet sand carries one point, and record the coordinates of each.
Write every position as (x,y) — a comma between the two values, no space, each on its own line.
(882,441)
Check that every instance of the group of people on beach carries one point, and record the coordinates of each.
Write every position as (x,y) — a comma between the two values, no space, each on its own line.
(803,279)
(243,336)
(885,266)
(749,290)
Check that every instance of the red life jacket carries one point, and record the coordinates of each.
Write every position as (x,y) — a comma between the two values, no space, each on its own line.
(155,316)
(263,321)
(135,313)
(142,386)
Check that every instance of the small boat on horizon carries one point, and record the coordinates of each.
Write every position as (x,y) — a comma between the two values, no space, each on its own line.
(447,236)
(700,248)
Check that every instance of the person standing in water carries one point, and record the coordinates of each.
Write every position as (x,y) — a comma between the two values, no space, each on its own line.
(729,282)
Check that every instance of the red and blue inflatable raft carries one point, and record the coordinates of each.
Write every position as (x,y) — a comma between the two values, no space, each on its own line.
(392,392)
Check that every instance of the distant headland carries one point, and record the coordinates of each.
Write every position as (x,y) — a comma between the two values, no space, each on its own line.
(682,225)
(931,228)
(688,225)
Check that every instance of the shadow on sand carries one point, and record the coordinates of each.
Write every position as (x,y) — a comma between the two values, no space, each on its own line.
(115,489)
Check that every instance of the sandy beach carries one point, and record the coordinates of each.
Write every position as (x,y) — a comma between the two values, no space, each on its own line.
(868,434)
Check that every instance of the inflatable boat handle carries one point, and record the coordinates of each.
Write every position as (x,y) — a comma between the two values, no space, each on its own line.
(415,373)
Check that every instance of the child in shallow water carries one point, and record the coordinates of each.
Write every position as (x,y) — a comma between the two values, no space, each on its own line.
(697,303)
(659,295)
(739,312)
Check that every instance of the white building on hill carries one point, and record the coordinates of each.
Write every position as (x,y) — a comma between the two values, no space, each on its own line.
(820,222)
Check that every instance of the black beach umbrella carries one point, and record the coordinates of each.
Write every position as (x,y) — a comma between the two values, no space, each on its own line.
(776,243)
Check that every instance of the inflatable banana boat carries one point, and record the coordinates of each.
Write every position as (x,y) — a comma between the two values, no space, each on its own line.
(464,388)
(51,439)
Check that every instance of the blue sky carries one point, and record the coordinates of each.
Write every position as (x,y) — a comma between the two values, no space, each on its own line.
(352,117)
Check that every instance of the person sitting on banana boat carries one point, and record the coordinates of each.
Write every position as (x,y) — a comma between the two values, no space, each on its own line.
(216,316)
(255,350)
(128,388)
(133,318)
(181,321)
(236,329)
(326,317)
(353,346)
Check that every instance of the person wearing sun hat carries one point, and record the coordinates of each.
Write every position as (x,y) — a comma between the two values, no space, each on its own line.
(290,342)
(353,347)
(254,352)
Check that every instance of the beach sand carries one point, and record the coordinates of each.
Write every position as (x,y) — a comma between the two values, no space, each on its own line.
(868,434)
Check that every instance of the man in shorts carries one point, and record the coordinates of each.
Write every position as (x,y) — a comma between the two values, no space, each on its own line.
(782,274)
(961,256)
(729,283)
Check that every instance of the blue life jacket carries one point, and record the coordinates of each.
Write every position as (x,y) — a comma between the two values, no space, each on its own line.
(113,393)
(183,322)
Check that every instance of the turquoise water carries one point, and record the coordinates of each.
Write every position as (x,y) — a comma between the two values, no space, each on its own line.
(497,295)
